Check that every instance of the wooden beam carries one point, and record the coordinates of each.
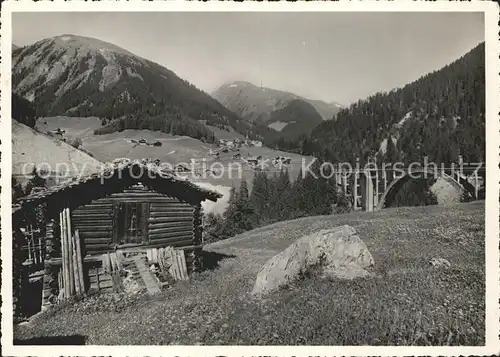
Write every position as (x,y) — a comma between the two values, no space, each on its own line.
(146,276)
(65,255)
(183,224)
(75,267)
(162,219)
(69,237)
(79,262)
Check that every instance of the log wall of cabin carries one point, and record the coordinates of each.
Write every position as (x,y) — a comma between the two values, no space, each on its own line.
(170,222)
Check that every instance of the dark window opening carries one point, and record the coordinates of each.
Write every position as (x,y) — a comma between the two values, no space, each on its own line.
(132,223)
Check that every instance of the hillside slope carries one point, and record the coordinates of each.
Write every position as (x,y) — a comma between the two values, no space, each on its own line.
(79,76)
(296,118)
(31,148)
(439,116)
(406,302)
(256,104)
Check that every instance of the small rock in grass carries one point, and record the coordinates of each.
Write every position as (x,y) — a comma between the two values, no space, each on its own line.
(440,262)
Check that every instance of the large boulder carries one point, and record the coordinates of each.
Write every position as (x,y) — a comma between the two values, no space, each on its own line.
(333,253)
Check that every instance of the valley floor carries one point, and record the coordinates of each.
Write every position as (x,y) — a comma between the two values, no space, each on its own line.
(407,302)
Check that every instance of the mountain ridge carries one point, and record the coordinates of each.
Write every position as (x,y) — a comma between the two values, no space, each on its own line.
(82,76)
(440,116)
(255,103)
(296,118)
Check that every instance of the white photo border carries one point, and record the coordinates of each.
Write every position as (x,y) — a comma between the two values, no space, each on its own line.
(491,16)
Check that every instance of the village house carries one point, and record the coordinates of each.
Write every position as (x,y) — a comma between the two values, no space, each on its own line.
(126,208)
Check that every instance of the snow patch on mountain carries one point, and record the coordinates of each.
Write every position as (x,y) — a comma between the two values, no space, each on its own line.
(279,125)
(407,116)
(383,144)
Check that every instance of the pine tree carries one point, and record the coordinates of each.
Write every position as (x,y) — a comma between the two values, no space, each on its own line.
(259,198)
(284,202)
(36,181)
(244,208)
(273,198)
(231,214)
(298,196)
(391,155)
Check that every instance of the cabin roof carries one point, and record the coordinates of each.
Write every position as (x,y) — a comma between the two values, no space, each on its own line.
(114,177)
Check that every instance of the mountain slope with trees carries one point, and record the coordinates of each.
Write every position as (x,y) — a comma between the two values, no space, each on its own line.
(255,104)
(296,118)
(80,76)
(441,115)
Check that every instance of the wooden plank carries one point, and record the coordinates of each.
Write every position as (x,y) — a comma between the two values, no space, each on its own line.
(69,237)
(172,257)
(75,268)
(136,199)
(172,214)
(171,207)
(185,242)
(112,259)
(106,263)
(144,221)
(89,211)
(170,219)
(182,264)
(171,230)
(92,228)
(181,225)
(64,253)
(96,204)
(58,261)
(169,203)
(120,257)
(146,276)
(92,216)
(79,262)
(111,268)
(88,235)
(97,278)
(136,189)
(60,285)
(103,284)
(117,281)
(115,222)
(97,222)
(103,277)
(137,194)
(166,235)
(95,241)
(69,253)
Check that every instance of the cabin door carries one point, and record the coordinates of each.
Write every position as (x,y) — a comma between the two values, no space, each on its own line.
(132,222)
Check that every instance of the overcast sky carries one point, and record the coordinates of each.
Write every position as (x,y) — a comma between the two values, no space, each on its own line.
(339,57)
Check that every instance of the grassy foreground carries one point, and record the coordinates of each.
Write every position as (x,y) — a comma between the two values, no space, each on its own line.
(407,302)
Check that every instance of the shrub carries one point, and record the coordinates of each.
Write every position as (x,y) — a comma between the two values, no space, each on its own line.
(213,228)
(76,143)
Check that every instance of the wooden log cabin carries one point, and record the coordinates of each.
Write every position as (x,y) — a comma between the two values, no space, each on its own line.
(126,207)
